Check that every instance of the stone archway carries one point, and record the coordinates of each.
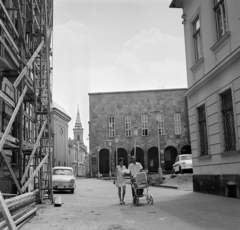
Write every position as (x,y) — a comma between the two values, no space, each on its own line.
(122,153)
(186,149)
(104,161)
(139,155)
(170,154)
(153,163)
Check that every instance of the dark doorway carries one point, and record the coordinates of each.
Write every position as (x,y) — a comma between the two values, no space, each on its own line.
(186,149)
(139,155)
(122,153)
(104,161)
(170,154)
(153,163)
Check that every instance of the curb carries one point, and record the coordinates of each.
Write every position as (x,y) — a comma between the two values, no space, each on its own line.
(166,186)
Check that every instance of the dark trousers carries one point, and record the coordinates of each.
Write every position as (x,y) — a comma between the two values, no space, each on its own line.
(139,192)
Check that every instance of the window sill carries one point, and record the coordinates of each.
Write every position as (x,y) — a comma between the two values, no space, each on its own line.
(220,41)
(203,157)
(233,152)
(197,64)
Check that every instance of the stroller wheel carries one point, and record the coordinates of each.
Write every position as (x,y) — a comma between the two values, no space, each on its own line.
(151,200)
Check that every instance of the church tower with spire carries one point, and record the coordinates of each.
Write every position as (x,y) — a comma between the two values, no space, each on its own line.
(78,129)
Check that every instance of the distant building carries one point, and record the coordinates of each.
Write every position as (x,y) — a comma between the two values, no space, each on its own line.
(114,114)
(77,149)
(212,40)
(59,124)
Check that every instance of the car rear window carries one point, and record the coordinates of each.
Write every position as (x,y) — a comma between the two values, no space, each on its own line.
(186,158)
(62,172)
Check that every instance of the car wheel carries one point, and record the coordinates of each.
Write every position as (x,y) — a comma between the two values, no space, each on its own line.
(72,191)
(181,170)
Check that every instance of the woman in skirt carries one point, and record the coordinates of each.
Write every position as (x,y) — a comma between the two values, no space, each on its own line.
(121,180)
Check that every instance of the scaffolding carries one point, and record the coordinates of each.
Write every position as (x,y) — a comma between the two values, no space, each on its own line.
(25,96)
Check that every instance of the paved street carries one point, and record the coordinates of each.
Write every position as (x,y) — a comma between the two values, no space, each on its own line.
(95,205)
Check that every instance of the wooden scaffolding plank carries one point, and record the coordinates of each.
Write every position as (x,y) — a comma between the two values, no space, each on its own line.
(4,137)
(11,171)
(35,172)
(25,69)
(7,216)
(33,152)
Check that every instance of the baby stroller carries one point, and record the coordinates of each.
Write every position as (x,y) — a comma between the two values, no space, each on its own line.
(140,184)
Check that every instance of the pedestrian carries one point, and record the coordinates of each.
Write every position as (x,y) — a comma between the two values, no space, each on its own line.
(134,168)
(120,172)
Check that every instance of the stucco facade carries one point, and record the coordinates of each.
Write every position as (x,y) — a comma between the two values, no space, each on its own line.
(135,105)
(210,78)
(59,123)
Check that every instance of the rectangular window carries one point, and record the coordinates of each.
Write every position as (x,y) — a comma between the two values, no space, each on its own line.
(6,116)
(202,130)
(161,124)
(177,123)
(144,125)
(197,39)
(228,121)
(111,126)
(128,126)
(220,16)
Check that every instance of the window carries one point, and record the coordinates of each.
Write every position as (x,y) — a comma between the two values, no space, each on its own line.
(228,121)
(6,116)
(144,124)
(220,17)
(161,124)
(128,126)
(202,130)
(197,39)
(78,137)
(177,123)
(111,126)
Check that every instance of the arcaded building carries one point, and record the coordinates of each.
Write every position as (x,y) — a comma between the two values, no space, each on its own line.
(114,114)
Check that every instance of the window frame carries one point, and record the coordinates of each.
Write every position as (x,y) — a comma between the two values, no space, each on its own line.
(197,40)
(128,125)
(111,126)
(144,125)
(177,124)
(222,120)
(200,135)
(161,127)
(218,5)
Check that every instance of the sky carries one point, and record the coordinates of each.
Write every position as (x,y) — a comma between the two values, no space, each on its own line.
(114,45)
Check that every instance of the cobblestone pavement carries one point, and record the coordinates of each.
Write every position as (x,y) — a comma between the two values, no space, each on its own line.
(95,205)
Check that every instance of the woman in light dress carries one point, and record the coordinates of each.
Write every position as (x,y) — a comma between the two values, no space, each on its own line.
(120,172)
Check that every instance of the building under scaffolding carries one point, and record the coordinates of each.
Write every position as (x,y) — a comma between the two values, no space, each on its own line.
(25,96)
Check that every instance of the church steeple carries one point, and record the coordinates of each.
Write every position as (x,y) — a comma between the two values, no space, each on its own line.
(78,130)
(78,120)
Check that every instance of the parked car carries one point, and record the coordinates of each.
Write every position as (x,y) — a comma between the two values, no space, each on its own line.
(63,178)
(183,163)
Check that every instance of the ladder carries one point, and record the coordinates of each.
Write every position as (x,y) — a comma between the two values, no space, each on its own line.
(42,98)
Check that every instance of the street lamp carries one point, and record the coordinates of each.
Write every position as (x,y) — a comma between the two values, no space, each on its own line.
(157,118)
(135,133)
(110,144)
(116,142)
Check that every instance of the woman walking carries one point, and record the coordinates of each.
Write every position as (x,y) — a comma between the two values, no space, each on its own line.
(121,180)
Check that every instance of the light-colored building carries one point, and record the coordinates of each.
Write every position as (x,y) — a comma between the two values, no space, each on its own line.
(59,123)
(77,149)
(114,114)
(212,40)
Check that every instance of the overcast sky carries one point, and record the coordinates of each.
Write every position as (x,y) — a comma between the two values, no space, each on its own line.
(114,45)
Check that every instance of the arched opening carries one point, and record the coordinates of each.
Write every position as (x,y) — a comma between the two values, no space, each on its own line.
(104,161)
(122,153)
(186,150)
(153,163)
(170,154)
(139,155)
